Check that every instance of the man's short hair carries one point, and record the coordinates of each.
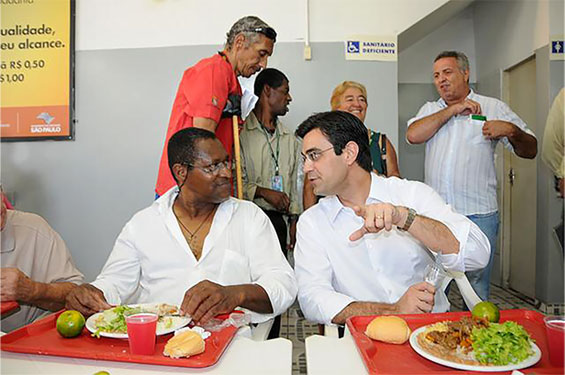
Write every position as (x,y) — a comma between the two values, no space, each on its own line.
(183,147)
(251,27)
(340,128)
(271,77)
(335,100)
(462,60)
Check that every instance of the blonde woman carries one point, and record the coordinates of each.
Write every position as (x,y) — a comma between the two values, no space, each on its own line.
(351,96)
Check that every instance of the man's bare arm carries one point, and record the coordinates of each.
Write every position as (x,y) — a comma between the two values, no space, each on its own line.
(363,308)
(525,145)
(17,286)
(419,298)
(206,299)
(87,299)
(254,298)
(432,233)
(205,123)
(425,128)
(51,296)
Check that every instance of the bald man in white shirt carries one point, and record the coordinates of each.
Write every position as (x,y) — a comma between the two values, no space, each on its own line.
(363,249)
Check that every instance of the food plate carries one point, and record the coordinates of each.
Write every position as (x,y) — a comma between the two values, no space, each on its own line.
(530,361)
(41,338)
(176,322)
(383,358)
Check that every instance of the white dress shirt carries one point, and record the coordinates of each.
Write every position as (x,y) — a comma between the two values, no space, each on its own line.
(460,161)
(333,272)
(152,261)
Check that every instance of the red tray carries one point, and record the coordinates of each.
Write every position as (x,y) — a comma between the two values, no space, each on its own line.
(383,358)
(41,337)
(8,306)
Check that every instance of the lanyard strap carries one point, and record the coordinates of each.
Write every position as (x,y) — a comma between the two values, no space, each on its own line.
(273,156)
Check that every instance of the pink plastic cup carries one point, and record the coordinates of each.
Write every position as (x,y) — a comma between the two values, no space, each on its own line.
(555,329)
(141,333)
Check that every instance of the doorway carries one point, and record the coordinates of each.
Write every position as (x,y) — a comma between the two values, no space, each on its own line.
(519,187)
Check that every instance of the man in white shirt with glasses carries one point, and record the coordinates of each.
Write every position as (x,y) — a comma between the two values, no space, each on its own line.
(363,249)
(195,246)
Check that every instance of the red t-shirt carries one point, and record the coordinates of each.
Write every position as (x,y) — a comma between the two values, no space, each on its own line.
(203,92)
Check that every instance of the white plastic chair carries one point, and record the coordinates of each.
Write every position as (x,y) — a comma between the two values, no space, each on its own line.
(331,330)
(261,331)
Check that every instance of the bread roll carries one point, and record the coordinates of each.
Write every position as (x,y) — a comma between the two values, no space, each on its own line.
(391,329)
(184,344)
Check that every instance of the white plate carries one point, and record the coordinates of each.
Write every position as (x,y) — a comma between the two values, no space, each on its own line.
(530,361)
(178,322)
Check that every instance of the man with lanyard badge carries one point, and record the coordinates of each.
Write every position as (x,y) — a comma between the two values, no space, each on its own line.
(270,156)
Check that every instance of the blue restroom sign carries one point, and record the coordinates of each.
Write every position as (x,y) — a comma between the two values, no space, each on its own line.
(352,47)
(377,48)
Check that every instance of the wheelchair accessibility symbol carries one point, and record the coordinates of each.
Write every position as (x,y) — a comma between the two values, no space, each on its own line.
(352,47)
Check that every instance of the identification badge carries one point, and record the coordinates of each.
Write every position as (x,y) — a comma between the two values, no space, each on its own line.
(277,183)
(478,122)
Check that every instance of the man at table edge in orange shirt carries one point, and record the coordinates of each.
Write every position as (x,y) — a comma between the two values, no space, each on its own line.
(207,88)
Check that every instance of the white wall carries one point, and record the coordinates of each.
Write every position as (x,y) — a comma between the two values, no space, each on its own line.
(508,32)
(109,24)
(415,62)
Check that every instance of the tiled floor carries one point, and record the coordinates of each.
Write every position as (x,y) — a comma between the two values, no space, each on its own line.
(296,328)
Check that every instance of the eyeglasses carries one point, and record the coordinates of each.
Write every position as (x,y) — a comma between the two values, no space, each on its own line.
(269,32)
(314,155)
(214,168)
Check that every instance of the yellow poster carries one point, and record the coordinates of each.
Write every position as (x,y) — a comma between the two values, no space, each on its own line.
(35,74)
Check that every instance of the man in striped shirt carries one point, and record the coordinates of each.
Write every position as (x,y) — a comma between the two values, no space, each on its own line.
(461,131)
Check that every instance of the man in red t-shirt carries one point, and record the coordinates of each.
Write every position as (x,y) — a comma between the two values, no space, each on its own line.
(204,90)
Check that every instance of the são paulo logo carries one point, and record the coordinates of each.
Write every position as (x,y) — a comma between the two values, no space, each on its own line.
(47,126)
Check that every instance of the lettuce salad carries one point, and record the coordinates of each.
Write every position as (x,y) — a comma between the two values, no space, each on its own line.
(114,319)
(501,344)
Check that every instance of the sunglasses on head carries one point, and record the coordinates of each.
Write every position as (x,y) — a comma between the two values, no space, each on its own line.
(269,32)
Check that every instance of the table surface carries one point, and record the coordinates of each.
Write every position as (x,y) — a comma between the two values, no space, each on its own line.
(330,355)
(243,356)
